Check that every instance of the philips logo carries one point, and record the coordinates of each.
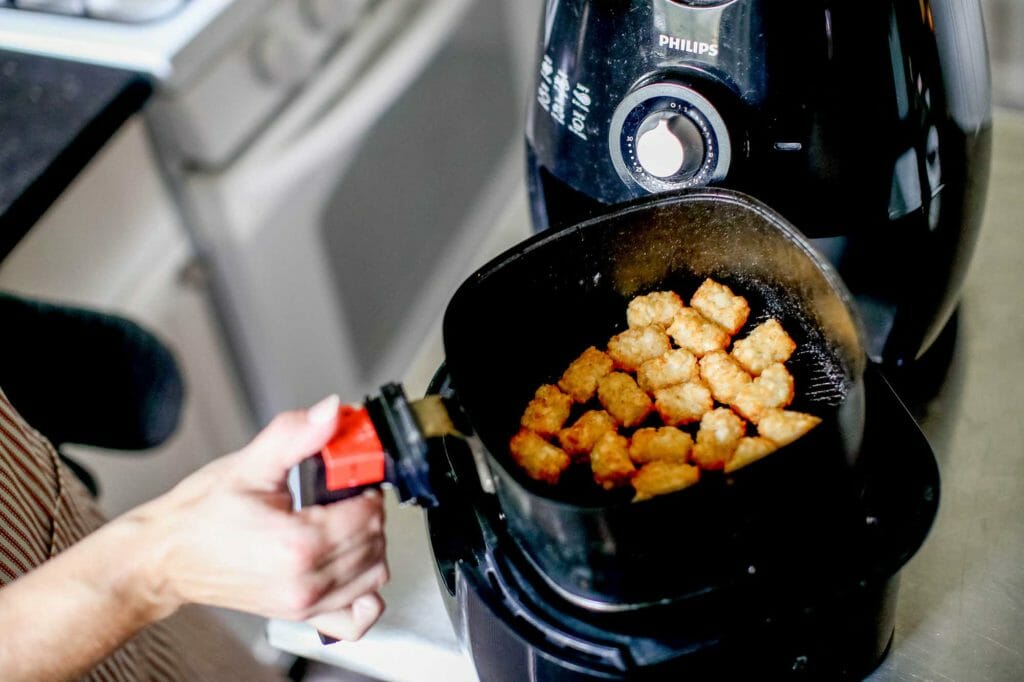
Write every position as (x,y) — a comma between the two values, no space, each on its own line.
(691,46)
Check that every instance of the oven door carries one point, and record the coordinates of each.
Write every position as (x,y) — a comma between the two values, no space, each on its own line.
(338,234)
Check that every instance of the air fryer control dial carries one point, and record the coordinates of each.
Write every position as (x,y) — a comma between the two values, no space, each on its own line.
(666,136)
(669,144)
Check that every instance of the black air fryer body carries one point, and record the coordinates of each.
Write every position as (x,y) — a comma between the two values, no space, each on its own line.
(785,569)
(866,124)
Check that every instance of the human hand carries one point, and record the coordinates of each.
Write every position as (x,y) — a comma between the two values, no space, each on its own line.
(227,536)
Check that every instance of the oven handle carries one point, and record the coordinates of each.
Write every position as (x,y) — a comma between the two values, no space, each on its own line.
(337,132)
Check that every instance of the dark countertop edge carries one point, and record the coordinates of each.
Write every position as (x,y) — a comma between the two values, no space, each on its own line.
(32,203)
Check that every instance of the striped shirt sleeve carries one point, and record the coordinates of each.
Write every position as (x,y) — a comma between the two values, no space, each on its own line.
(44,509)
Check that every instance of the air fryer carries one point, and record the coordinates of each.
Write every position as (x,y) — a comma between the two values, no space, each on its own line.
(867,125)
(786,568)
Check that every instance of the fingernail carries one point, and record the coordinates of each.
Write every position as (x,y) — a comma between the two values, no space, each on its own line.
(371,493)
(325,410)
(365,606)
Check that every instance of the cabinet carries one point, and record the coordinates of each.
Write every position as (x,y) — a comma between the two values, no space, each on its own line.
(114,242)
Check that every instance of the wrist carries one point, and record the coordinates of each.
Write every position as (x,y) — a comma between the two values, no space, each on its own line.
(138,577)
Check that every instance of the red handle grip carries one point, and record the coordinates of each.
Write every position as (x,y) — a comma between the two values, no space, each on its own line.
(354,457)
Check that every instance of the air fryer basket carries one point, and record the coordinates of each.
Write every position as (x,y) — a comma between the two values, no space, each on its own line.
(520,320)
(836,626)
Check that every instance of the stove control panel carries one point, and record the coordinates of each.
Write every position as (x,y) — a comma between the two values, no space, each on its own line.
(290,46)
(665,136)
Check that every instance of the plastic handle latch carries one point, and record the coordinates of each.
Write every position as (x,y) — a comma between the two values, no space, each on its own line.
(354,457)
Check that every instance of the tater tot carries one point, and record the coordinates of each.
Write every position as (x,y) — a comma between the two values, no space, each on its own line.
(785,426)
(767,344)
(696,333)
(658,308)
(539,459)
(719,434)
(580,379)
(623,399)
(723,376)
(579,439)
(547,412)
(749,450)
(661,477)
(683,403)
(665,443)
(719,304)
(773,389)
(674,367)
(632,347)
(610,463)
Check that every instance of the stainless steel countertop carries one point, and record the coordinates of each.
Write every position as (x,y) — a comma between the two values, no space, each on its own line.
(960,611)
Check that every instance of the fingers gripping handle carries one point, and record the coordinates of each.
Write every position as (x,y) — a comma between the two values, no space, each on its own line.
(383,440)
(352,461)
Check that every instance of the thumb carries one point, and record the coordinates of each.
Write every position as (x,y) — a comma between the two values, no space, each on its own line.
(289,438)
(351,622)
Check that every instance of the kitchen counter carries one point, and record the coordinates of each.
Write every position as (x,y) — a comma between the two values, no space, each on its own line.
(54,116)
(960,612)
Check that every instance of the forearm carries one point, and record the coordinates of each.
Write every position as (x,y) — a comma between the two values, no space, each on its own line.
(225,536)
(63,618)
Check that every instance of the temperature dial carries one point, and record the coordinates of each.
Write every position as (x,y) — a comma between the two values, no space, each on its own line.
(668,145)
(666,136)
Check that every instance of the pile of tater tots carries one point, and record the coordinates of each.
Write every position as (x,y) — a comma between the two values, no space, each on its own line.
(673,395)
